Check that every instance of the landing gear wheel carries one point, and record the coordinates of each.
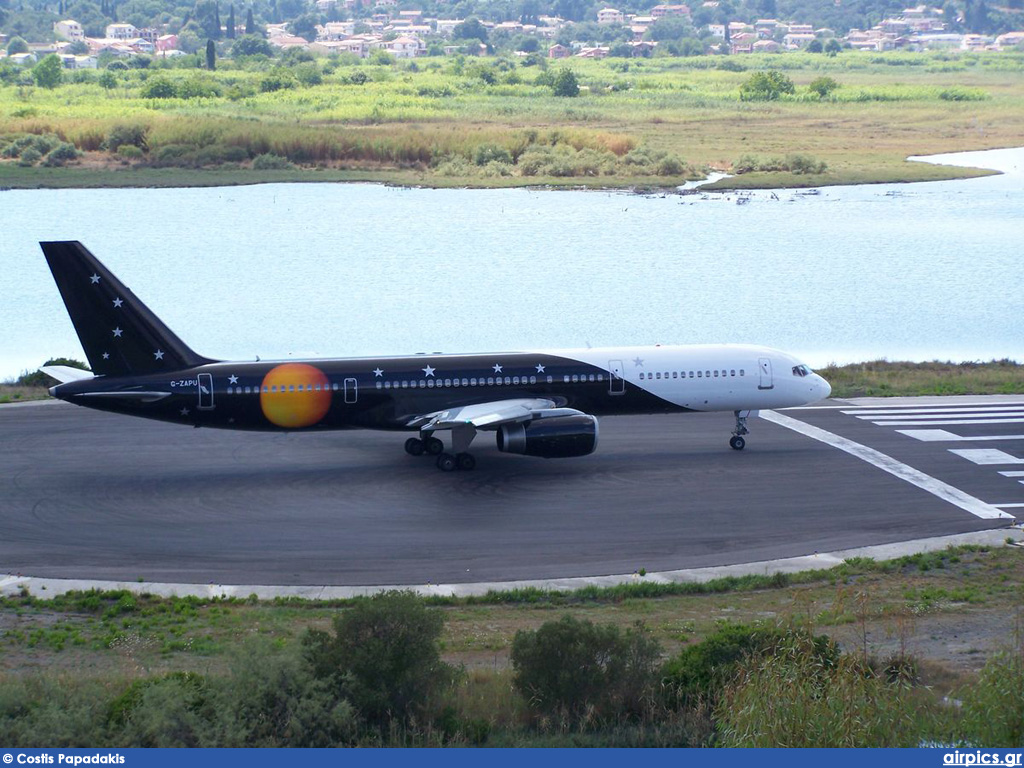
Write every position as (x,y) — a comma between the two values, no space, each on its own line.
(414,446)
(446,462)
(465,461)
(433,446)
(737,443)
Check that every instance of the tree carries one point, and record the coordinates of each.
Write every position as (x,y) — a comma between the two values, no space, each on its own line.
(384,657)
(832,47)
(251,45)
(17,45)
(211,55)
(231,22)
(470,29)
(565,84)
(815,46)
(250,24)
(822,86)
(49,72)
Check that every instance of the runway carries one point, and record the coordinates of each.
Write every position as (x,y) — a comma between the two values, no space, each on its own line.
(100,496)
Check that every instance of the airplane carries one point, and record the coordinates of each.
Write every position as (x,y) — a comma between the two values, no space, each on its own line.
(538,403)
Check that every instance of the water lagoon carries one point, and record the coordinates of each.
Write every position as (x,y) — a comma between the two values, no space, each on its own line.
(913,271)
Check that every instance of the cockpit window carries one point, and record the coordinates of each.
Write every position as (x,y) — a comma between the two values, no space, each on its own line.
(801,370)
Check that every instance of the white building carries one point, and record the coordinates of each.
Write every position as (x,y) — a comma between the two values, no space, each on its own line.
(69,29)
(610,16)
(122,31)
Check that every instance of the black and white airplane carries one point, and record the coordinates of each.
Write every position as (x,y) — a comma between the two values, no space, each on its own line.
(542,403)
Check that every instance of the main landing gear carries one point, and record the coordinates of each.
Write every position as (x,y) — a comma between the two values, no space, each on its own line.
(736,442)
(446,462)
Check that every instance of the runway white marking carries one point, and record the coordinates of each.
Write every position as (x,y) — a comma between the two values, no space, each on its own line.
(942,436)
(1012,474)
(940,410)
(945,422)
(915,477)
(986,456)
(926,416)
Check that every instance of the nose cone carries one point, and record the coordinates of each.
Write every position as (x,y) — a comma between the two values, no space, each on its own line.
(824,388)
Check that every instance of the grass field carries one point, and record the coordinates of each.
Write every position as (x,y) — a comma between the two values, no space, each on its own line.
(650,122)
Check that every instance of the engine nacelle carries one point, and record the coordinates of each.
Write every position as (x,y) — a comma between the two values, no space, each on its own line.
(557,437)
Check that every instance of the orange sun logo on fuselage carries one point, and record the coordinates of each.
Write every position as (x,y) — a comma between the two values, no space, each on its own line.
(295,395)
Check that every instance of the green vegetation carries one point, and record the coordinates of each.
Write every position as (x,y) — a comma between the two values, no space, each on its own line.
(816,120)
(839,657)
(882,378)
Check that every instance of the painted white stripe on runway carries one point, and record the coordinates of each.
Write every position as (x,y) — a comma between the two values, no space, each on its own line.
(944,415)
(934,409)
(1012,474)
(936,487)
(986,456)
(942,436)
(945,422)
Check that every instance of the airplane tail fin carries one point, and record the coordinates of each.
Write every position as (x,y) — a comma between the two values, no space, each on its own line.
(120,335)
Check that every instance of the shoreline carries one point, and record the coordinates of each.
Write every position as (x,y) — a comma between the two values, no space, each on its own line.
(919,168)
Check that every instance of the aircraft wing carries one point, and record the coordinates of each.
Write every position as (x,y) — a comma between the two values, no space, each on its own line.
(491,415)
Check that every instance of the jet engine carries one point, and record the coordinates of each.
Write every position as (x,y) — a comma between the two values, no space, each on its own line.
(557,437)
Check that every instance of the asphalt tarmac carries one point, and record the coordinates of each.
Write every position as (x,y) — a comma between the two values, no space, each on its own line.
(85,494)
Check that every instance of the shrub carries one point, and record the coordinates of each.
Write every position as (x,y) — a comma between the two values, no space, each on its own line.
(127,133)
(159,88)
(384,657)
(308,74)
(107,80)
(130,152)
(197,88)
(486,153)
(270,162)
(766,86)
(578,669)
(790,698)
(277,80)
(822,86)
(993,708)
(701,670)
(29,156)
(61,154)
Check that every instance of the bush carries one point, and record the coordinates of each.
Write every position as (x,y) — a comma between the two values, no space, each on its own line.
(271,162)
(61,154)
(130,152)
(107,80)
(127,133)
(577,669)
(486,153)
(29,156)
(308,74)
(701,670)
(822,86)
(993,708)
(384,657)
(766,86)
(790,698)
(159,88)
(277,80)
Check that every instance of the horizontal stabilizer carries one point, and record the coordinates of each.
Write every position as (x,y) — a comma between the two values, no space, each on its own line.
(65,373)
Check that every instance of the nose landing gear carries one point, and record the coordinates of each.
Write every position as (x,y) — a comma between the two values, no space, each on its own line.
(736,442)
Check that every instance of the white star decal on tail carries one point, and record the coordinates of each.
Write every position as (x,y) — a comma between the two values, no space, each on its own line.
(540,368)
(117,332)
(106,355)
(378,372)
(232,379)
(94,278)
(118,302)
(159,354)
(428,371)
(497,368)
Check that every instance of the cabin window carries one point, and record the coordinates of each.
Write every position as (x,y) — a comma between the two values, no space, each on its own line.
(387,385)
(380,385)
(742,373)
(575,379)
(732,372)
(472,382)
(657,375)
(699,376)
(716,374)
(551,380)
(641,377)
(265,388)
(592,377)
(515,379)
(430,383)
(600,377)
(675,374)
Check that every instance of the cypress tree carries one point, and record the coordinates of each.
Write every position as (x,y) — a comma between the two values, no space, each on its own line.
(216,21)
(250,25)
(211,55)
(231,22)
